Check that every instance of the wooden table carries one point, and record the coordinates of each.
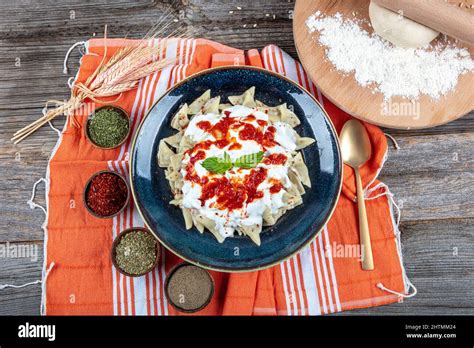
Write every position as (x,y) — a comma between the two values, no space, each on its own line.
(432,175)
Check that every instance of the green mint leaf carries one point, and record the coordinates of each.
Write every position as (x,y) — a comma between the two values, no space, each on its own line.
(217,165)
(249,161)
(221,165)
(226,158)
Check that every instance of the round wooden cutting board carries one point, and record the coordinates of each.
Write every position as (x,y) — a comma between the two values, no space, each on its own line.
(360,101)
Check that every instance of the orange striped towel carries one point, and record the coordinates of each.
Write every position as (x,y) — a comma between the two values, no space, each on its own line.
(323,278)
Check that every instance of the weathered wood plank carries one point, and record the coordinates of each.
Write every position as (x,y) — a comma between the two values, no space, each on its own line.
(17,271)
(430,153)
(432,176)
(439,260)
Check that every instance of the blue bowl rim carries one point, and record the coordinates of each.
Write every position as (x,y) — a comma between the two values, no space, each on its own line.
(265,71)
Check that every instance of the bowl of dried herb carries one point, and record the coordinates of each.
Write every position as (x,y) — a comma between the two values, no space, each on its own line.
(107,127)
(135,252)
(106,194)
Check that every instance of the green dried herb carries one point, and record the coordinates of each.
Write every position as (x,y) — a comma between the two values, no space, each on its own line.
(108,127)
(136,252)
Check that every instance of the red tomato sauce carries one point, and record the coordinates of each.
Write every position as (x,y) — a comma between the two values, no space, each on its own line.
(235,146)
(233,195)
(276,188)
(247,131)
(267,139)
(275,158)
(221,128)
(190,175)
(251,182)
(204,125)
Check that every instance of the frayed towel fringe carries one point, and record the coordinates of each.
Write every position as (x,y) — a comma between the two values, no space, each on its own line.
(66,58)
(410,284)
(39,281)
(43,287)
(31,203)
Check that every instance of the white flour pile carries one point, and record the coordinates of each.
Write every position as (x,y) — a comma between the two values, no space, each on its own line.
(393,71)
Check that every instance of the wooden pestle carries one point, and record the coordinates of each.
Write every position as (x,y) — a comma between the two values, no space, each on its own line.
(436,14)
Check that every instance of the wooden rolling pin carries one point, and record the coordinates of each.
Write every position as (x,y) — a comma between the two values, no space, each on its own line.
(436,14)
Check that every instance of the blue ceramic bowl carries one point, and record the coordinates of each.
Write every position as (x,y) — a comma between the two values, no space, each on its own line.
(294,230)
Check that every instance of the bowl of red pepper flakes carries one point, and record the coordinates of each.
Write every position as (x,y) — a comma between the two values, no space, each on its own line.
(106,194)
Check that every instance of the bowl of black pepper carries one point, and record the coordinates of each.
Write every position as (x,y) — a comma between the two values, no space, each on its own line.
(189,288)
(106,194)
(135,252)
(107,127)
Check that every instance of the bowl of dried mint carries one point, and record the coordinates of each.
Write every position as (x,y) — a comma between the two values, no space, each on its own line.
(135,252)
(108,127)
(189,288)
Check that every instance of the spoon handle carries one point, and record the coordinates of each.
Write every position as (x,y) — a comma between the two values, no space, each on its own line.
(367,259)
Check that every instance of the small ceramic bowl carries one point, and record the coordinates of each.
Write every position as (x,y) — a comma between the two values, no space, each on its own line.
(86,128)
(117,241)
(176,306)
(86,190)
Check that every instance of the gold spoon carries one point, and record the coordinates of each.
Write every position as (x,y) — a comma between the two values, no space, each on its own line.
(356,150)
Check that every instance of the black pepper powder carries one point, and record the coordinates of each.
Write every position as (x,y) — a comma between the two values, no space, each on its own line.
(189,288)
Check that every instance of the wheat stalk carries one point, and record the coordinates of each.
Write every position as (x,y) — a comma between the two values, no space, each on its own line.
(114,76)
(114,90)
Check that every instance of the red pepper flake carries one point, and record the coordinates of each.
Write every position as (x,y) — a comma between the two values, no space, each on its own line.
(204,125)
(221,128)
(222,143)
(249,132)
(276,188)
(275,158)
(235,146)
(107,194)
(191,175)
(233,194)
(267,139)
